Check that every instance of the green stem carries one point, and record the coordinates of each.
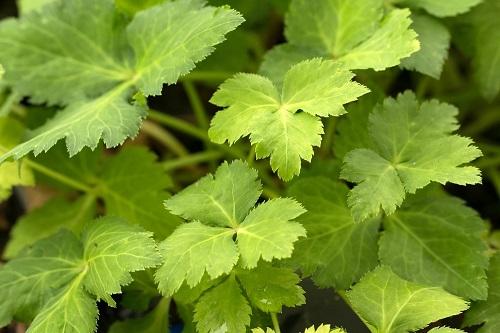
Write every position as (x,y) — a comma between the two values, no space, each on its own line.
(251,156)
(191,159)
(58,176)
(484,122)
(276,324)
(164,137)
(178,124)
(8,104)
(326,146)
(196,104)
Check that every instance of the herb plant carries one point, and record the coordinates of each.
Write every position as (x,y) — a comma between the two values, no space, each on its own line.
(179,165)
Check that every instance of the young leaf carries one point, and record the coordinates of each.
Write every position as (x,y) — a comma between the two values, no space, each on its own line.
(47,220)
(445,330)
(223,309)
(226,233)
(55,56)
(283,125)
(53,280)
(337,251)
(11,174)
(357,33)
(449,239)
(442,8)
(434,40)
(321,329)
(169,39)
(270,288)
(390,304)
(488,312)
(113,249)
(413,145)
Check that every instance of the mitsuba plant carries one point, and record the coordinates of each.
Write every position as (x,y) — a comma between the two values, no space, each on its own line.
(369,218)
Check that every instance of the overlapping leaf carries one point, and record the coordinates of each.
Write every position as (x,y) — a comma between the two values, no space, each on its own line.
(337,251)
(83,55)
(284,126)
(266,232)
(412,145)
(357,33)
(488,312)
(390,304)
(441,8)
(58,280)
(448,238)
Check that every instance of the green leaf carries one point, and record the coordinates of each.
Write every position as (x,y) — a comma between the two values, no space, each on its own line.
(113,249)
(131,7)
(223,309)
(447,235)
(223,199)
(484,28)
(445,330)
(488,312)
(268,232)
(25,6)
(337,251)
(413,145)
(47,220)
(442,8)
(53,280)
(155,321)
(12,174)
(390,304)
(55,56)
(222,230)
(162,53)
(83,124)
(270,288)
(434,41)
(321,329)
(255,108)
(186,252)
(355,32)
(132,184)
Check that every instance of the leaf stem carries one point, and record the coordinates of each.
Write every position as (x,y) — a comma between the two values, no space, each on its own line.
(207,76)
(178,124)
(191,159)
(196,104)
(164,137)
(276,324)
(58,176)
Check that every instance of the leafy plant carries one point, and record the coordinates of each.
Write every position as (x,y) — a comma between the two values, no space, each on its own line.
(156,215)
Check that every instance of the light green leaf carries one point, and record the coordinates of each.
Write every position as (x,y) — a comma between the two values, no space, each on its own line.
(155,321)
(53,280)
(447,235)
(26,282)
(267,231)
(434,41)
(55,55)
(25,6)
(83,124)
(442,8)
(255,108)
(47,220)
(223,309)
(113,249)
(72,310)
(488,312)
(270,288)
(11,173)
(223,199)
(355,32)
(445,330)
(163,53)
(389,304)
(337,251)
(131,6)
(321,329)
(413,145)
(133,185)
(186,252)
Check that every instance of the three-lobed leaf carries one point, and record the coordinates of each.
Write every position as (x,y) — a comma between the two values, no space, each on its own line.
(412,145)
(283,124)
